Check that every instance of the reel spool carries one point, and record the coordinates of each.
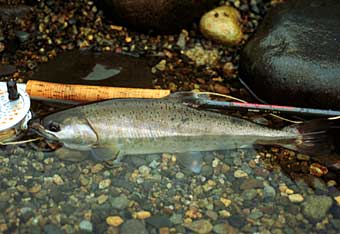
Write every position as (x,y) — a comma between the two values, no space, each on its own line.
(14,110)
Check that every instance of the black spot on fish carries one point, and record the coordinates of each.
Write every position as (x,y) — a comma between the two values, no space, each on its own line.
(185,120)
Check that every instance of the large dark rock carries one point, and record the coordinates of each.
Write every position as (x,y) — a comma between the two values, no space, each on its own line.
(159,15)
(294,57)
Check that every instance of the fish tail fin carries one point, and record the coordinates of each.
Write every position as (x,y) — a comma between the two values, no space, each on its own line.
(316,137)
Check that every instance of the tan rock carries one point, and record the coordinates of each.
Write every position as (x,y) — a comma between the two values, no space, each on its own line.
(226,202)
(164,230)
(222,24)
(114,221)
(295,198)
(104,183)
(141,215)
(35,189)
(200,226)
(102,198)
(97,168)
(337,199)
(57,179)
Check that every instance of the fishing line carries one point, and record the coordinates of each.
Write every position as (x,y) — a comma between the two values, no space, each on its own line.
(21,142)
(243,101)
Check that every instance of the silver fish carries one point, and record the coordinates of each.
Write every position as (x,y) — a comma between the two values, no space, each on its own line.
(114,128)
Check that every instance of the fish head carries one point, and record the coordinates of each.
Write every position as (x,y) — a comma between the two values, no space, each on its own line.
(73,131)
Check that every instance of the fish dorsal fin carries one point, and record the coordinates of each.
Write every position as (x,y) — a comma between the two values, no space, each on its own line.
(185,97)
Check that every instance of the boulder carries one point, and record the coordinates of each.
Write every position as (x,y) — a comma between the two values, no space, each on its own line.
(294,57)
(159,15)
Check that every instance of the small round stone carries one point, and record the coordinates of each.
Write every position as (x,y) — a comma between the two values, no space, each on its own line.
(114,221)
(58,180)
(86,226)
(222,24)
(104,183)
(240,174)
(295,198)
(141,215)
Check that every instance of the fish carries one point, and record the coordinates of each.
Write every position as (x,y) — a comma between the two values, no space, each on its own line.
(113,128)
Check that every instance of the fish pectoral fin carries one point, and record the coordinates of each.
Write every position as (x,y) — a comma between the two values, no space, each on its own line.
(104,153)
(70,154)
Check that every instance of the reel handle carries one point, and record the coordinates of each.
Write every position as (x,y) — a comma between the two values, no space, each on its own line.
(87,93)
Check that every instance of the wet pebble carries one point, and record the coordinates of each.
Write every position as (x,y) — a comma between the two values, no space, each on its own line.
(133,226)
(269,191)
(159,221)
(202,56)
(22,36)
(296,198)
(212,214)
(114,221)
(141,214)
(200,226)
(237,221)
(26,213)
(316,207)
(207,171)
(104,184)
(176,218)
(180,175)
(255,214)
(102,198)
(224,228)
(58,180)
(251,183)
(52,229)
(240,174)
(249,194)
(86,226)
(120,202)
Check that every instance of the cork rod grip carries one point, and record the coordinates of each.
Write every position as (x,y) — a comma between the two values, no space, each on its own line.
(87,93)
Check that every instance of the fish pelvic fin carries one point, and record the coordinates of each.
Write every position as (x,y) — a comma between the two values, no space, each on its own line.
(105,153)
(315,137)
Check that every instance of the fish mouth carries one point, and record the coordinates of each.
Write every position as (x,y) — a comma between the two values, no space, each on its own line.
(40,130)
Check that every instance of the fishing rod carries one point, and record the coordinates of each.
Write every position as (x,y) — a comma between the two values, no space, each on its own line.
(206,103)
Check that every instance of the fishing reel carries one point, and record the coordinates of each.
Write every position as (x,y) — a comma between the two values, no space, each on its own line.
(14,111)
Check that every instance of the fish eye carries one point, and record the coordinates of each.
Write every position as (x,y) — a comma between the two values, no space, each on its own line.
(54,126)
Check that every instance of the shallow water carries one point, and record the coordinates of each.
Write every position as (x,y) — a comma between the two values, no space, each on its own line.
(238,191)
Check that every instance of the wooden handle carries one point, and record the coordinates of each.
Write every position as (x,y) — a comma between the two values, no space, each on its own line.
(87,93)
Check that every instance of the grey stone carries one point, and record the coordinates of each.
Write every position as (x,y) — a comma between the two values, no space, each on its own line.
(224,228)
(120,202)
(249,194)
(176,218)
(255,214)
(22,36)
(159,221)
(317,207)
(133,226)
(251,183)
(52,229)
(269,191)
(86,226)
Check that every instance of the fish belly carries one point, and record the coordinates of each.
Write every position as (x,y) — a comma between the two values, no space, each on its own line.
(182,144)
